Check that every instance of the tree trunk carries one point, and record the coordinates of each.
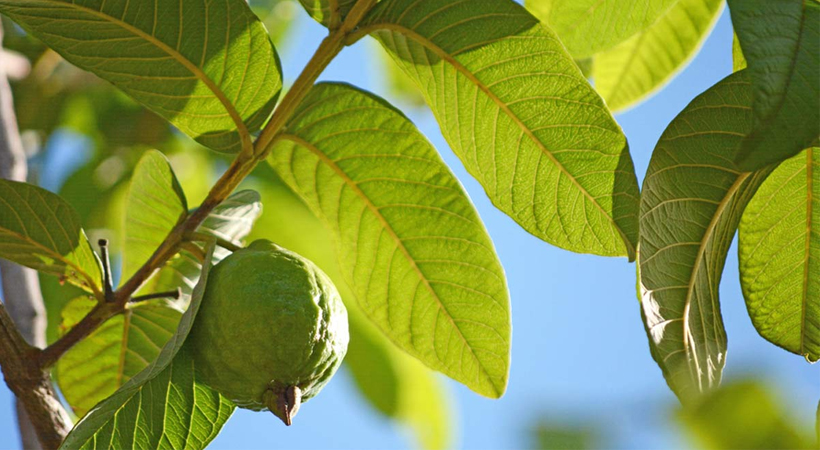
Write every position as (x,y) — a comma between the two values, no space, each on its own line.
(21,287)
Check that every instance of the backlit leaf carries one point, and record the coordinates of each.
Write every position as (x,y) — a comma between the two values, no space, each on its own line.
(102,362)
(208,67)
(410,243)
(516,109)
(321,9)
(641,65)
(164,406)
(154,206)
(38,229)
(779,252)
(691,203)
(587,27)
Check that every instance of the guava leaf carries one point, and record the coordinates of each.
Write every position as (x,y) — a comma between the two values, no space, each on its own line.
(587,27)
(38,229)
(779,253)
(155,204)
(515,108)
(123,346)
(388,378)
(781,43)
(692,199)
(410,243)
(232,221)
(163,406)
(321,9)
(634,69)
(208,68)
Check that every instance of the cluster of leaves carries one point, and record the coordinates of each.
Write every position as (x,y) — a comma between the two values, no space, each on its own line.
(509,88)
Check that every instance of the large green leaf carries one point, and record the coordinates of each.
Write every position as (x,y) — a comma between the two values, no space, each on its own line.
(321,9)
(526,123)
(40,230)
(388,378)
(164,406)
(634,69)
(410,243)
(587,27)
(779,251)
(232,221)
(691,203)
(781,43)
(209,68)
(122,347)
(154,206)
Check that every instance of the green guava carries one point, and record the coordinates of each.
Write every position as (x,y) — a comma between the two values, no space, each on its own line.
(271,329)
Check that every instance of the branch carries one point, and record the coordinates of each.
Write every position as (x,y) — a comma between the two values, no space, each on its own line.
(240,168)
(32,386)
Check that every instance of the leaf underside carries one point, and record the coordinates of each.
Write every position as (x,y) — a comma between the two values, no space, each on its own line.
(38,229)
(634,69)
(410,243)
(779,254)
(114,353)
(154,205)
(515,108)
(781,44)
(164,406)
(587,27)
(692,200)
(209,68)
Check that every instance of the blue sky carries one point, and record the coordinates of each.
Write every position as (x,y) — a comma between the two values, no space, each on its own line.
(579,350)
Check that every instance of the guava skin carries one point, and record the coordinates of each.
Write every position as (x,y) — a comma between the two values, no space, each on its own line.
(271,328)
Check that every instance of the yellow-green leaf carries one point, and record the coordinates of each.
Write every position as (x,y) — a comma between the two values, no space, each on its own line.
(411,244)
(587,27)
(516,109)
(38,229)
(641,65)
(779,252)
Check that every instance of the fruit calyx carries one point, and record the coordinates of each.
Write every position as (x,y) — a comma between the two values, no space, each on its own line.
(283,402)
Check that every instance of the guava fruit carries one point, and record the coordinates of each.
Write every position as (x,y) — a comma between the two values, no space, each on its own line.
(271,329)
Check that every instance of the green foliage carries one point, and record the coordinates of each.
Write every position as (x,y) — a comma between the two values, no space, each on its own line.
(104,361)
(212,71)
(323,10)
(388,378)
(781,43)
(567,178)
(635,68)
(163,406)
(692,200)
(744,415)
(402,238)
(587,27)
(231,221)
(779,251)
(40,230)
(155,204)
(410,242)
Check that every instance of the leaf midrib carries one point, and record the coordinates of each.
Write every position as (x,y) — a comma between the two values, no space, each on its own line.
(234,114)
(91,284)
(502,106)
(350,183)
(724,203)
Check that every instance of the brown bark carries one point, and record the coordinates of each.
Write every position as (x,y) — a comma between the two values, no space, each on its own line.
(22,327)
